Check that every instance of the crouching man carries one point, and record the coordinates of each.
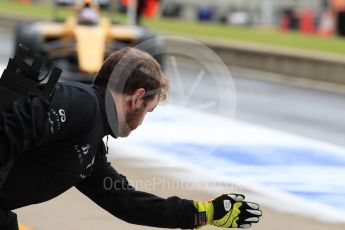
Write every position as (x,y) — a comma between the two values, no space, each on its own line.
(56,143)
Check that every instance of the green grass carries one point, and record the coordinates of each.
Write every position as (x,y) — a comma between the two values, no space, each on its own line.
(204,30)
(9,7)
(41,11)
(254,35)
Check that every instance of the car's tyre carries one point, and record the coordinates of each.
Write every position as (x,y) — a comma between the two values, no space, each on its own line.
(27,35)
(153,45)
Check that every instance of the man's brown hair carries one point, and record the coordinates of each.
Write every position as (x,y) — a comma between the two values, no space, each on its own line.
(129,69)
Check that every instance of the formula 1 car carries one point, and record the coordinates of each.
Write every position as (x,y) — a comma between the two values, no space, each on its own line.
(80,43)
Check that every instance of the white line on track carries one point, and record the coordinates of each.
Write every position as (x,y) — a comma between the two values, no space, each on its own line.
(2,67)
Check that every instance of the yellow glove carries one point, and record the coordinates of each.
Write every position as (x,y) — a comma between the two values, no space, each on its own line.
(227,211)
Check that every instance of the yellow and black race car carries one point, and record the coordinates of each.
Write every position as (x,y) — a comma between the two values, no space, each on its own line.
(80,43)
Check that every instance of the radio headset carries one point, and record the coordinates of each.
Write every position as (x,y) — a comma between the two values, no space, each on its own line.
(22,80)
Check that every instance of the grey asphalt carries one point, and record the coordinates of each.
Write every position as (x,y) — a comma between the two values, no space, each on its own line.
(309,112)
(305,111)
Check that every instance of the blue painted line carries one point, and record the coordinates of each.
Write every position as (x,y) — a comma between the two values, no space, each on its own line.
(334,200)
(257,155)
(261,157)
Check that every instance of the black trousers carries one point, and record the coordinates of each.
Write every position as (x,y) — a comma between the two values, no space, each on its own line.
(8,220)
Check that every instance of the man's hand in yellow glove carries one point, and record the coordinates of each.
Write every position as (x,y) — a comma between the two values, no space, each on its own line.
(227,211)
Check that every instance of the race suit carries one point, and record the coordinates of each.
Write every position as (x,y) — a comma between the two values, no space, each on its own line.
(55,144)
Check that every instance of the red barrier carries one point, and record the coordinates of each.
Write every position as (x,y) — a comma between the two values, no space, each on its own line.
(307,22)
(151,7)
(24,1)
(284,23)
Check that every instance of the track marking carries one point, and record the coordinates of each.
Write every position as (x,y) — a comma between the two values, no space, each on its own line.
(2,67)
(269,166)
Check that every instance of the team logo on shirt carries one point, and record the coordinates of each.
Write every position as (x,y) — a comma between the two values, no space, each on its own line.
(82,151)
(62,114)
(55,119)
(85,149)
(88,170)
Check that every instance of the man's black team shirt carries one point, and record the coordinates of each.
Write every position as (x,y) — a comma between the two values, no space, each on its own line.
(57,144)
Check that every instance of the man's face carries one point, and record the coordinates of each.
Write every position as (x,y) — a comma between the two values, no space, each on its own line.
(135,115)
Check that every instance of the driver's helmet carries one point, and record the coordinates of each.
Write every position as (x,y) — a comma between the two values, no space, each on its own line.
(88,16)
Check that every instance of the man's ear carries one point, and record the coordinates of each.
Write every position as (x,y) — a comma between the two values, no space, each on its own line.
(135,99)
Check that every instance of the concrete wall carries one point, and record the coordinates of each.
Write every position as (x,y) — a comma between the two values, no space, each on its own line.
(303,64)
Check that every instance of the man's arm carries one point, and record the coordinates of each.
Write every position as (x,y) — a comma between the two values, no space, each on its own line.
(111,191)
(36,121)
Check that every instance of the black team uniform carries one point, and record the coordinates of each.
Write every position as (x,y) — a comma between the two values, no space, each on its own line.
(55,144)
